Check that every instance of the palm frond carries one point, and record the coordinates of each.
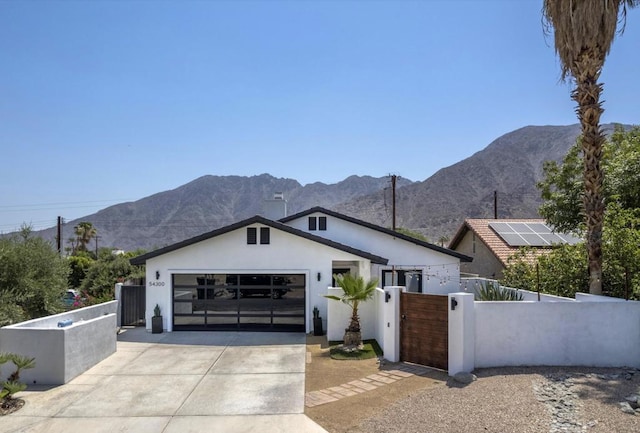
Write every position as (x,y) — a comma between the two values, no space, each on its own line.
(585,25)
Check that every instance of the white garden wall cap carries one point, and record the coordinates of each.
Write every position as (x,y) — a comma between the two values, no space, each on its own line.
(142,259)
(84,314)
(395,234)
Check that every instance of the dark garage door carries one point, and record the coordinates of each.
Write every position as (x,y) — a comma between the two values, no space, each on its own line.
(243,302)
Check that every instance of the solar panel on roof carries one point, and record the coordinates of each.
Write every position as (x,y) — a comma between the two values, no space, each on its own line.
(514,239)
(568,238)
(540,228)
(521,228)
(501,227)
(519,234)
(552,238)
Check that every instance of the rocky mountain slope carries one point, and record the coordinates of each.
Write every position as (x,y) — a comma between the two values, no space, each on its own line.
(210,202)
(509,167)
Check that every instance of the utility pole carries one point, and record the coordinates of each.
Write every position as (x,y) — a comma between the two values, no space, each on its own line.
(59,235)
(97,246)
(495,205)
(394,178)
(393,201)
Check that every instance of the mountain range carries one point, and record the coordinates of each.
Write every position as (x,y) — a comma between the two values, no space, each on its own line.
(506,172)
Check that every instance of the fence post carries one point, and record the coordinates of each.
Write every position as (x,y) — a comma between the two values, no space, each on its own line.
(118,295)
(461,333)
(391,323)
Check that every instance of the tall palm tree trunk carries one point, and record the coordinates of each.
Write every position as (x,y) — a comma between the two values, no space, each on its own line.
(583,33)
(587,96)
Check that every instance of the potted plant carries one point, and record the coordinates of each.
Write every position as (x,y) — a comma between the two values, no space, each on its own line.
(156,321)
(317,322)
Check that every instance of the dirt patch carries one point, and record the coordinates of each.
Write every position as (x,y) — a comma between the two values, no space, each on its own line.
(8,406)
(347,414)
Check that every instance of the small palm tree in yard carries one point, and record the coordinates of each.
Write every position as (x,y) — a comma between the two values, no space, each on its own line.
(355,290)
(12,385)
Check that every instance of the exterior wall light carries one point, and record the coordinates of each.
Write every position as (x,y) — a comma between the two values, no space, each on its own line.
(319,276)
(157,275)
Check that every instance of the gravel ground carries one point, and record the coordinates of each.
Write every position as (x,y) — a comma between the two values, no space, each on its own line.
(501,400)
(518,400)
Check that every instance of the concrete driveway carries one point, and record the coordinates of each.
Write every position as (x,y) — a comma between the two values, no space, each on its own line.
(178,382)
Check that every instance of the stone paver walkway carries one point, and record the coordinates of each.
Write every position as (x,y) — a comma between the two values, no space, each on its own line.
(369,383)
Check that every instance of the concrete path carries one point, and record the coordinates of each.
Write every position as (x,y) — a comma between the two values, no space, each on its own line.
(369,383)
(178,382)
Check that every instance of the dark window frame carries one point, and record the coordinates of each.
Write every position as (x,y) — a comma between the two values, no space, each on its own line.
(252,236)
(322,223)
(313,223)
(265,235)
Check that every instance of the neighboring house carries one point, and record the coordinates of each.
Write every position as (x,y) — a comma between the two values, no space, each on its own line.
(490,242)
(265,274)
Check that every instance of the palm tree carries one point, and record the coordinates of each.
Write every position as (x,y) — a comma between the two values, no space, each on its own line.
(583,33)
(354,291)
(22,363)
(85,231)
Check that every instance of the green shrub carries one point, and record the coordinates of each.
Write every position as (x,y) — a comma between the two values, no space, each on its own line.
(491,291)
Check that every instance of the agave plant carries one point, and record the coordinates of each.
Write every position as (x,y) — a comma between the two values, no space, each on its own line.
(491,291)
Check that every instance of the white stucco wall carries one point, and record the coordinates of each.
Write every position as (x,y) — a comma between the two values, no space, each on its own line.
(339,315)
(440,272)
(557,333)
(62,353)
(229,253)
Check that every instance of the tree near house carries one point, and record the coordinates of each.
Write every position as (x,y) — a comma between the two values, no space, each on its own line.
(33,278)
(102,274)
(583,34)
(85,232)
(564,270)
(354,291)
(561,185)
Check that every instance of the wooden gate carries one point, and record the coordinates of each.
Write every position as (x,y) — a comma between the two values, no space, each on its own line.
(132,304)
(424,329)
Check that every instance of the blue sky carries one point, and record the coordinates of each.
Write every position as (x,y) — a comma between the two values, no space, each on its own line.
(109,101)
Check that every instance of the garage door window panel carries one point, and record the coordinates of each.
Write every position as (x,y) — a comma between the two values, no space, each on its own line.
(239,301)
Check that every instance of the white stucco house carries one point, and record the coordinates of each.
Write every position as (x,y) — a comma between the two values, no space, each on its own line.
(265,274)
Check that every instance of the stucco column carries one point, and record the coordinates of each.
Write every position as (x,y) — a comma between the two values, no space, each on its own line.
(461,333)
(391,323)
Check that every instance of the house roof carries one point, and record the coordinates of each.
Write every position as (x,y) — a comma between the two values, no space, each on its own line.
(462,257)
(501,249)
(140,260)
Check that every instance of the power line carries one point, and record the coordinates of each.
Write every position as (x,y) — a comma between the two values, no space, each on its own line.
(29,207)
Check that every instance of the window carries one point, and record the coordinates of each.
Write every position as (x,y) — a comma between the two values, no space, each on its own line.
(322,223)
(411,279)
(317,223)
(264,235)
(252,236)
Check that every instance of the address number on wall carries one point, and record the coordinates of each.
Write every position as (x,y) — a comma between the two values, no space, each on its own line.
(156,283)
